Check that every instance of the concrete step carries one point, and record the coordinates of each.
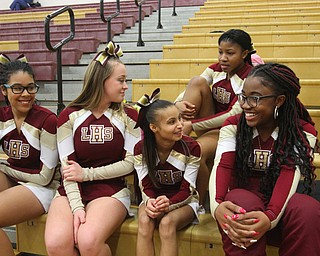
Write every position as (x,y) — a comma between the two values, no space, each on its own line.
(136,58)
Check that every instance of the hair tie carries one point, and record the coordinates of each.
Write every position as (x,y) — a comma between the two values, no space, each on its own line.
(144,102)
(5,59)
(110,51)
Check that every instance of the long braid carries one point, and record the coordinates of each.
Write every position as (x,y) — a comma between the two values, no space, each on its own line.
(292,147)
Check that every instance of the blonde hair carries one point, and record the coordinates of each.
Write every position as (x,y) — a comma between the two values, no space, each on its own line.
(93,86)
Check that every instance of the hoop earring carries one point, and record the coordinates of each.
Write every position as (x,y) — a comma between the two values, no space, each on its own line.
(276,112)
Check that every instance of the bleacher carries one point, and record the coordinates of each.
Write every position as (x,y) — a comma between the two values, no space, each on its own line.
(283,31)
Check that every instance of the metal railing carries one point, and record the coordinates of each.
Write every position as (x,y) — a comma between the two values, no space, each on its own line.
(139,4)
(57,48)
(109,18)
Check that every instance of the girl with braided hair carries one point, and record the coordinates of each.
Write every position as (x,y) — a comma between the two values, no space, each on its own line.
(167,164)
(96,137)
(29,178)
(211,97)
(261,156)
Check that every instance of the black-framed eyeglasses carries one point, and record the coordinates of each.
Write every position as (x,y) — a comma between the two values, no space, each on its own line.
(19,89)
(252,101)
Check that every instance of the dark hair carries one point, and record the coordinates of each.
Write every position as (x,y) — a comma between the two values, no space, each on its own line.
(241,38)
(12,67)
(291,147)
(149,151)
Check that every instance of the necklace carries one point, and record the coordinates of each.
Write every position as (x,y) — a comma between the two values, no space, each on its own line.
(259,142)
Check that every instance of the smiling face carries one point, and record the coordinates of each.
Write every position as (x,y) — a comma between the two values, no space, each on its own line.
(20,103)
(168,125)
(261,116)
(231,57)
(115,85)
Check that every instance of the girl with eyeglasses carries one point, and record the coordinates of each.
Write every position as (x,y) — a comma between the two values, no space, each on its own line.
(96,137)
(211,97)
(167,164)
(262,155)
(28,179)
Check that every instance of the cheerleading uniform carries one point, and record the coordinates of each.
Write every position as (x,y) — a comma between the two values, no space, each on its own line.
(284,207)
(103,147)
(32,151)
(176,177)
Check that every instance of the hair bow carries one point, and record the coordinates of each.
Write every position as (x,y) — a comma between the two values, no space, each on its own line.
(144,102)
(5,59)
(110,51)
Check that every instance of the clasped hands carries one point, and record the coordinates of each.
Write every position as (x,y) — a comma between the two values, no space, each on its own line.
(155,207)
(242,227)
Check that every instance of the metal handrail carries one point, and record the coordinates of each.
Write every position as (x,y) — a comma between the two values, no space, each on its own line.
(159,15)
(139,4)
(109,18)
(58,47)
(174,9)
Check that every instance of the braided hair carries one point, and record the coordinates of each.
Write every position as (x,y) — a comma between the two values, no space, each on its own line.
(292,147)
(241,38)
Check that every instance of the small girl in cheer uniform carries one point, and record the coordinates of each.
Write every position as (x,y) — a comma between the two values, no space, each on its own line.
(167,164)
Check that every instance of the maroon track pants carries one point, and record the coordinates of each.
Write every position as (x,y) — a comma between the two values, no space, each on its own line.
(296,234)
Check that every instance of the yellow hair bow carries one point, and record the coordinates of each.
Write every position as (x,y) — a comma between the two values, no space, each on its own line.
(5,59)
(110,51)
(143,103)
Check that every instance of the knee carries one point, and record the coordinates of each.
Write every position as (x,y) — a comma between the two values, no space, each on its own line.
(88,244)
(198,82)
(145,226)
(304,206)
(167,228)
(57,246)
(246,199)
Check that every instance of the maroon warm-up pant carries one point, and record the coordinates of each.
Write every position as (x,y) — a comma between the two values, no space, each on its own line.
(296,234)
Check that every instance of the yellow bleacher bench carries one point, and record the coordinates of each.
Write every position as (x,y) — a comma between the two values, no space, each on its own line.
(256,36)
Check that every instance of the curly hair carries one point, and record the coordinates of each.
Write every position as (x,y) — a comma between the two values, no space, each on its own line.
(292,147)
(12,67)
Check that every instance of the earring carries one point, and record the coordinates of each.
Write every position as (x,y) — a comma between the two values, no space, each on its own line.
(276,112)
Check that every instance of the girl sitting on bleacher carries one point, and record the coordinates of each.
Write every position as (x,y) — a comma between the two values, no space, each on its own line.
(96,137)
(211,97)
(28,179)
(167,164)
(261,155)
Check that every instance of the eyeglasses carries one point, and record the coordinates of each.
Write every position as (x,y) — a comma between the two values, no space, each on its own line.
(19,89)
(252,101)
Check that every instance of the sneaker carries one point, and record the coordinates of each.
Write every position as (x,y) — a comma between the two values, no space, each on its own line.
(201,210)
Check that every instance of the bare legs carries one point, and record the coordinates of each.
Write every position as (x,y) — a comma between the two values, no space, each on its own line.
(199,93)
(168,226)
(103,216)
(15,207)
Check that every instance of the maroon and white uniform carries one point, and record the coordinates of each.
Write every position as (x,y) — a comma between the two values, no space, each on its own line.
(222,179)
(177,176)
(104,149)
(224,93)
(32,152)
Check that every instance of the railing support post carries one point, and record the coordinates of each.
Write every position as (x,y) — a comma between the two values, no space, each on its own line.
(139,4)
(159,15)
(58,48)
(109,18)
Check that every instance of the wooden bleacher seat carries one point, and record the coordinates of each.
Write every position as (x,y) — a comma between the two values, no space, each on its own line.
(256,18)
(253,5)
(200,239)
(214,12)
(269,50)
(256,36)
(69,56)
(187,68)
(261,26)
